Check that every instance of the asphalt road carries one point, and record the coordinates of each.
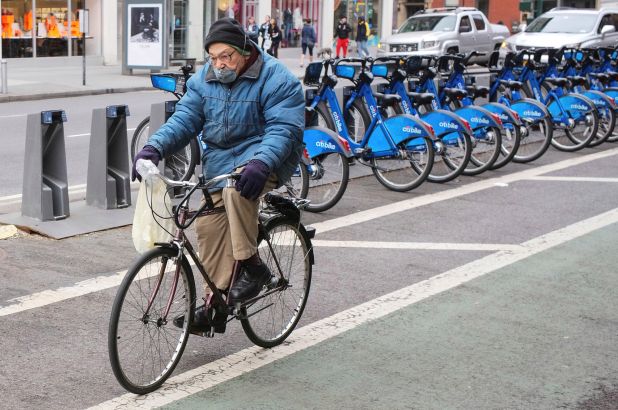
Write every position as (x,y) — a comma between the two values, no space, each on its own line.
(476,283)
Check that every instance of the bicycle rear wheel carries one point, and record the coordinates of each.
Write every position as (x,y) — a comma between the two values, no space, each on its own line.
(510,144)
(145,347)
(487,145)
(178,166)
(453,152)
(269,320)
(327,176)
(406,170)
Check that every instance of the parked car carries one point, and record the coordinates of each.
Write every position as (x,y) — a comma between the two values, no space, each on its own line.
(445,30)
(568,27)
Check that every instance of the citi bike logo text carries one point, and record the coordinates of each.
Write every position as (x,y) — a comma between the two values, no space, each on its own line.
(337,121)
(412,130)
(478,120)
(529,113)
(578,107)
(325,144)
(445,124)
(373,111)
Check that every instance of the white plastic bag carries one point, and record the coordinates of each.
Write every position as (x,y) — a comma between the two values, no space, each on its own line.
(146,231)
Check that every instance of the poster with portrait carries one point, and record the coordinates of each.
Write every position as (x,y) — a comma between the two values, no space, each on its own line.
(144,37)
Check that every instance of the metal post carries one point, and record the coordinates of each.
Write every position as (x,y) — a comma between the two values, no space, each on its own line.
(3,70)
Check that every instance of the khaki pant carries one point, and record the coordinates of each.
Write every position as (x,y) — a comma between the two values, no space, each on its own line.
(228,236)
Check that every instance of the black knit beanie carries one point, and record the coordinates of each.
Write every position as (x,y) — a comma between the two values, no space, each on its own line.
(229,31)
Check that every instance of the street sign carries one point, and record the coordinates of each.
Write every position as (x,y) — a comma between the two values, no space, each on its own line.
(83,17)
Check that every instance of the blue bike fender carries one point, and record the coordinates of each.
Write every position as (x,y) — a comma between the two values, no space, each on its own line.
(402,128)
(600,99)
(571,102)
(506,114)
(478,117)
(530,110)
(612,93)
(445,122)
(319,140)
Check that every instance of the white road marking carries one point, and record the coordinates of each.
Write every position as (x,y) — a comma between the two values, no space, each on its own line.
(227,368)
(417,245)
(87,134)
(12,116)
(44,298)
(573,179)
(408,204)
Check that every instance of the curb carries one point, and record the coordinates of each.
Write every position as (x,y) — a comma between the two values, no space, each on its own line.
(64,94)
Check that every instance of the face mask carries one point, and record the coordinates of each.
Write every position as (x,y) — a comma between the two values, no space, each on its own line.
(225,75)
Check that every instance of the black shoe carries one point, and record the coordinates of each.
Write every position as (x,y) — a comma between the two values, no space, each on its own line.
(203,320)
(250,283)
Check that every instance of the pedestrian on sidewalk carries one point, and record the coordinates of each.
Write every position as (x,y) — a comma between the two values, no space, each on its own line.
(343,33)
(253,30)
(264,32)
(274,33)
(362,34)
(307,41)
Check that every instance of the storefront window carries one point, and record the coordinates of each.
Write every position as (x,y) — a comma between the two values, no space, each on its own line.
(290,15)
(229,8)
(179,29)
(17,24)
(51,18)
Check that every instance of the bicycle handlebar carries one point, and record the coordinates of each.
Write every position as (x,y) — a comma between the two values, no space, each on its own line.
(147,169)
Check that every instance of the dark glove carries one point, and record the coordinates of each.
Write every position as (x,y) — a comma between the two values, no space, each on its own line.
(149,153)
(253,179)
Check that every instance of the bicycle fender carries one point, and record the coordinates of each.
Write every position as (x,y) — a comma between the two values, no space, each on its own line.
(530,110)
(479,117)
(445,122)
(507,115)
(319,140)
(402,128)
(571,102)
(612,93)
(600,99)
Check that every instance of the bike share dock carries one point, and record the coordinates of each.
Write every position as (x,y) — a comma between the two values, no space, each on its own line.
(45,200)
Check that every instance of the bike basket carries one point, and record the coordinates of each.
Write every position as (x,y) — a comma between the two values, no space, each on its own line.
(414,64)
(312,74)
(346,71)
(380,70)
(170,82)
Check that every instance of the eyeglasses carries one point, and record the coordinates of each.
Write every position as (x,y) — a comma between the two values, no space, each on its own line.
(225,58)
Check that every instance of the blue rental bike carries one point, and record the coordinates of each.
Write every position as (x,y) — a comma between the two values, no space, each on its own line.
(574,114)
(537,125)
(398,150)
(486,126)
(453,143)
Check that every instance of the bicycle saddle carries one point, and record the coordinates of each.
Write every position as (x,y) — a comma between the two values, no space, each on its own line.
(513,85)
(387,100)
(477,91)
(421,98)
(455,93)
(577,80)
(557,81)
(602,77)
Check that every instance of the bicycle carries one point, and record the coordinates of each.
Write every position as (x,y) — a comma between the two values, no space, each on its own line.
(144,343)
(181,164)
(398,150)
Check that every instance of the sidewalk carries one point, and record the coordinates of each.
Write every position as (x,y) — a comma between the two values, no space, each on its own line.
(30,79)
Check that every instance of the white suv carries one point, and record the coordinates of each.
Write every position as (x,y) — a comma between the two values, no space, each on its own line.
(568,27)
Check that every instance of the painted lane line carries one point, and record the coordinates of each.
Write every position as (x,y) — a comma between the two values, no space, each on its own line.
(13,116)
(405,205)
(43,298)
(74,190)
(417,245)
(573,179)
(227,368)
(87,134)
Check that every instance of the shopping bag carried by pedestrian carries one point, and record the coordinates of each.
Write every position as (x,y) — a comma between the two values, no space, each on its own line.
(153,221)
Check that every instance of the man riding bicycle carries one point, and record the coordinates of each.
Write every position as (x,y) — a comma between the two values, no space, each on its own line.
(250,110)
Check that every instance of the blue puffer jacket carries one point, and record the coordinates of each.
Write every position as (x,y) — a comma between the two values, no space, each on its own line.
(260,117)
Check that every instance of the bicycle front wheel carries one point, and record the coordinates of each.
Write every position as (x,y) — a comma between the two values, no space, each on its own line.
(270,319)
(144,345)
(327,176)
(581,134)
(535,140)
(407,169)
(510,144)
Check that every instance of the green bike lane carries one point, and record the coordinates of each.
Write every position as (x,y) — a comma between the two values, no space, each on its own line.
(540,333)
